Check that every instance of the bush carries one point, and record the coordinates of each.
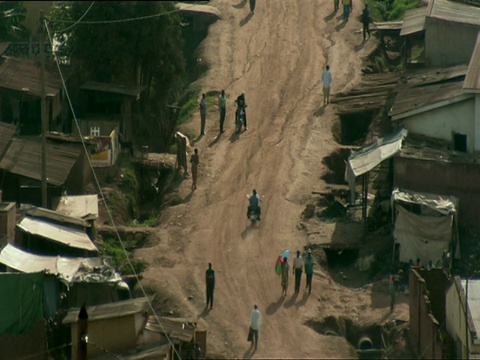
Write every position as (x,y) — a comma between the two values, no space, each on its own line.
(188,104)
(113,249)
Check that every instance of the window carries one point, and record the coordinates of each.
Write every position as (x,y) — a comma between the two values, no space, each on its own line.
(95,131)
(460,142)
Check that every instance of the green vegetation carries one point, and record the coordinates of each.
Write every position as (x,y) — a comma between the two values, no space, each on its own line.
(188,104)
(149,222)
(113,249)
(130,188)
(390,10)
(12,13)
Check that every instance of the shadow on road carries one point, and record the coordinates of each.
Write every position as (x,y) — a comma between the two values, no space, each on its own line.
(341,26)
(273,307)
(359,46)
(215,140)
(240,5)
(249,353)
(331,16)
(205,312)
(290,302)
(304,299)
(320,111)
(246,19)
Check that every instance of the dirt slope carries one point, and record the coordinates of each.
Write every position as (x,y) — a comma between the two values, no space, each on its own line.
(276,56)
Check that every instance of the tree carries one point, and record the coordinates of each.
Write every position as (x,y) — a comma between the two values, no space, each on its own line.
(126,42)
(12,13)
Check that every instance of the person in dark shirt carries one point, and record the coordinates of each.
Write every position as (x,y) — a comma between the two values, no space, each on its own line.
(366,22)
(210,282)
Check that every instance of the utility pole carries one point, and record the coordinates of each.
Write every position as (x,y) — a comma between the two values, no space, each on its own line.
(82,333)
(42,109)
(466,321)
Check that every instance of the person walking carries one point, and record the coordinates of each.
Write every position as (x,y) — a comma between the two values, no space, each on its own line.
(366,22)
(203,113)
(327,82)
(285,271)
(210,283)
(346,9)
(309,270)
(222,104)
(297,270)
(255,323)
(336,3)
(392,288)
(252,7)
(194,160)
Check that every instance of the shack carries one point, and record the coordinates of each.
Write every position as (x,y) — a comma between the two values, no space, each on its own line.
(425,225)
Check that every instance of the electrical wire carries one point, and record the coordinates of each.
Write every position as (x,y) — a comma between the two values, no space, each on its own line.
(78,21)
(101,22)
(103,196)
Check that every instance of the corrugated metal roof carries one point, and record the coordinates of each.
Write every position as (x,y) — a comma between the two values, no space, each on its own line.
(82,206)
(412,100)
(130,90)
(419,88)
(366,158)
(3,47)
(19,74)
(6,133)
(387,25)
(58,233)
(473,301)
(23,157)
(413,21)
(57,216)
(112,310)
(472,79)
(454,11)
(23,261)
(180,329)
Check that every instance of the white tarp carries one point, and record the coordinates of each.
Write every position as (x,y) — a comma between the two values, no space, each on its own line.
(424,234)
(366,158)
(59,233)
(64,268)
(420,236)
(80,206)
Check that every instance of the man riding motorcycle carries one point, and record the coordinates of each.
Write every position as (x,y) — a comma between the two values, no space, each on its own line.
(241,105)
(254,204)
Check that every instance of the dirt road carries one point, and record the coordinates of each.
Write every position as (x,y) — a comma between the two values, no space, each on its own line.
(276,57)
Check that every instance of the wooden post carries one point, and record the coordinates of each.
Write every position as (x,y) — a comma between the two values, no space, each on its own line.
(82,333)
(43,116)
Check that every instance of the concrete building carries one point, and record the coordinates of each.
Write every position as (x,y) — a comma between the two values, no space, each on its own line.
(463,317)
(449,29)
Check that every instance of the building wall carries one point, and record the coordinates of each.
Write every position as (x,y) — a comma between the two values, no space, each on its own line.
(448,43)
(455,321)
(8,220)
(424,327)
(115,334)
(23,346)
(443,178)
(441,123)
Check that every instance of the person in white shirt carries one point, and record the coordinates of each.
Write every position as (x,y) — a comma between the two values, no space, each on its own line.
(255,323)
(297,270)
(327,81)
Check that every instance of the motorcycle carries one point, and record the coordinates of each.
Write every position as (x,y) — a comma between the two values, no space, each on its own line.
(252,216)
(240,119)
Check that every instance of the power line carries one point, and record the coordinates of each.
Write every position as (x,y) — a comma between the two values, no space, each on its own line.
(78,21)
(102,22)
(103,196)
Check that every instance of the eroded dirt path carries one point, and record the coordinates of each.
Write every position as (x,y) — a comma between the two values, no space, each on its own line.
(276,56)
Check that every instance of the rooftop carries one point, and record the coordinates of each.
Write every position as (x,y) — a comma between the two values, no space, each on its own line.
(472,79)
(23,157)
(413,21)
(454,11)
